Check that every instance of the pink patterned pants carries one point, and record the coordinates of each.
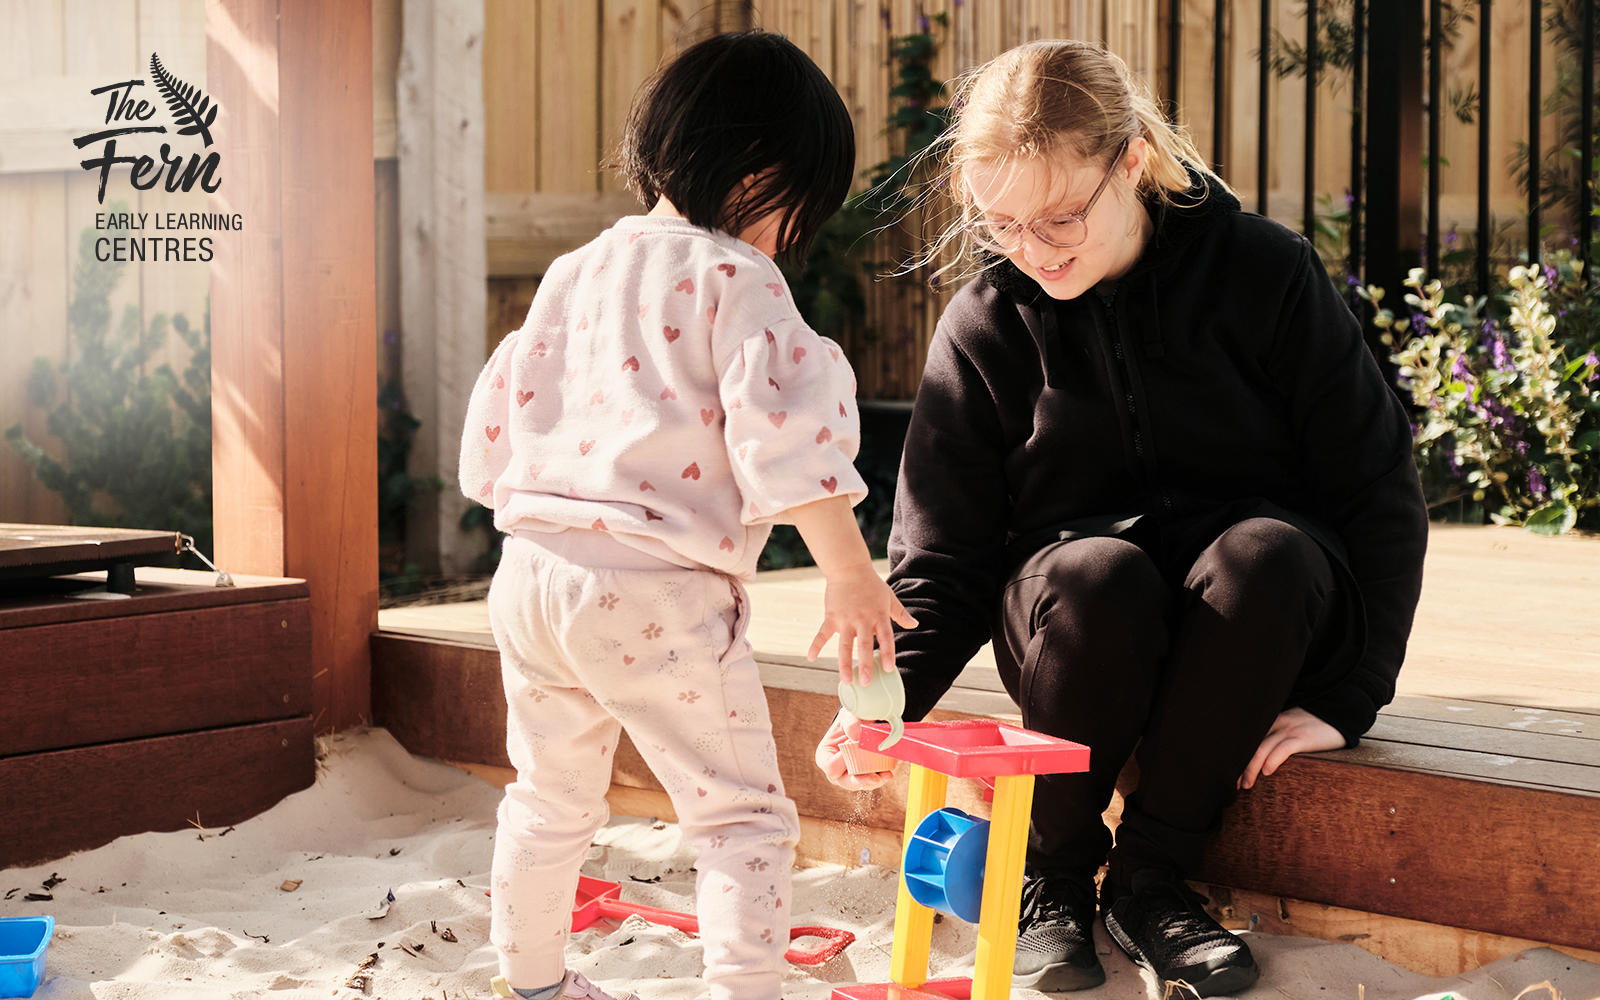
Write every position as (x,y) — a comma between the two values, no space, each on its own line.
(595,637)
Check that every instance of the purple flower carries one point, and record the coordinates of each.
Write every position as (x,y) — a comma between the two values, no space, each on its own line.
(1550,275)
(1451,237)
(923,23)
(1499,356)
(1351,280)
(1495,414)
(1459,370)
(1535,481)
(1521,448)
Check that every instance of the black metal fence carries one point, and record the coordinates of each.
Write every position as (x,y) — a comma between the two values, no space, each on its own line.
(1394,216)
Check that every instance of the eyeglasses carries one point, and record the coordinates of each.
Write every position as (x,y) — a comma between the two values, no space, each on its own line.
(1064,231)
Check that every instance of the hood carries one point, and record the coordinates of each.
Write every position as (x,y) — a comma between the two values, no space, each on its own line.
(1192,212)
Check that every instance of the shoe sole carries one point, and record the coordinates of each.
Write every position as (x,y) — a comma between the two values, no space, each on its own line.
(1062,978)
(1215,979)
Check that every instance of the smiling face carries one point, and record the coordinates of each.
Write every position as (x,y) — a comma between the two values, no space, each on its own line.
(1030,191)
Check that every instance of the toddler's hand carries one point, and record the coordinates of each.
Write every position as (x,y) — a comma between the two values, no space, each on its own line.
(860,608)
(830,756)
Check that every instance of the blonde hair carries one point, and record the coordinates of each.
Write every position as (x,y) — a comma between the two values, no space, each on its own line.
(1040,100)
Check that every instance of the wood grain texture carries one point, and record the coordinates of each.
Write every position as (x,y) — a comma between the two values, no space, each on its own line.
(74,800)
(144,675)
(630,40)
(569,96)
(440,699)
(329,337)
(442,259)
(387,31)
(158,590)
(1430,949)
(1430,847)
(511,58)
(247,373)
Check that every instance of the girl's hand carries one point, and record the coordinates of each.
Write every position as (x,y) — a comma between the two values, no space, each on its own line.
(1295,731)
(830,756)
(859,607)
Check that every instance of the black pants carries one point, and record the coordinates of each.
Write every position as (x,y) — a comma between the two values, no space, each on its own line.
(1189,662)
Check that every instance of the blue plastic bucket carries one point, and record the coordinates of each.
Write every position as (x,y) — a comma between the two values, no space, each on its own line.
(23,941)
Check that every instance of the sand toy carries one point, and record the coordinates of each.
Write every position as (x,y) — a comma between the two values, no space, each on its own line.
(956,863)
(881,700)
(598,898)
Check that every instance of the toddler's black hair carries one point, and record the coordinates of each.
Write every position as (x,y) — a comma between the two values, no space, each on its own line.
(732,106)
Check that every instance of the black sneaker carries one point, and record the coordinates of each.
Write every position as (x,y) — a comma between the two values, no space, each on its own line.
(1162,926)
(1055,936)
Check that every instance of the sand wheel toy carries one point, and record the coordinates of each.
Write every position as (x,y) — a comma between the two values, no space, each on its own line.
(957,864)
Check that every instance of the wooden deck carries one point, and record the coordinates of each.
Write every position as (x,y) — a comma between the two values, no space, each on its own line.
(1474,803)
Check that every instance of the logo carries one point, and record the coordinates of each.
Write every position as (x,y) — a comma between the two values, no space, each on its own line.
(193,114)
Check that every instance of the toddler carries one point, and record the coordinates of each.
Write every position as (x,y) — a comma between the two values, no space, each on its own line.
(663,405)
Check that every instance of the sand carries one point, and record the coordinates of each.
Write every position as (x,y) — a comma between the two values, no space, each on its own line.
(209,913)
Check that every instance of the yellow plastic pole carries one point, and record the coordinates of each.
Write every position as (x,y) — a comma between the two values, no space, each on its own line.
(1002,886)
(913,922)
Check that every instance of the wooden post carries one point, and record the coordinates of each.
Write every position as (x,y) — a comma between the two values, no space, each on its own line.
(294,358)
(443,262)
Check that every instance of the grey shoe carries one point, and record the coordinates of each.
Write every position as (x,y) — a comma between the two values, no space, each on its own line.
(1055,936)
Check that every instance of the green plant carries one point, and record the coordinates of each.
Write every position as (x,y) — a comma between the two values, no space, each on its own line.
(828,286)
(396,490)
(475,519)
(137,446)
(1507,416)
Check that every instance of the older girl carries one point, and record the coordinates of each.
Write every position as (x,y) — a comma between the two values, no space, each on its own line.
(1153,461)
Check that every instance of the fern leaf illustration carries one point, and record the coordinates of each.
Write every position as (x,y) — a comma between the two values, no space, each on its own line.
(189,104)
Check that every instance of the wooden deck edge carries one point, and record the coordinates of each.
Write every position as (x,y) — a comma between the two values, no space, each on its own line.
(1508,859)
(1429,949)
(1511,860)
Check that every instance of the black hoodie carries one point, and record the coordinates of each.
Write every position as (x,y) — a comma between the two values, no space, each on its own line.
(1222,378)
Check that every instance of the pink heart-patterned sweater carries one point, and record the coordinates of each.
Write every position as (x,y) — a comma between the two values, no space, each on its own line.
(665,389)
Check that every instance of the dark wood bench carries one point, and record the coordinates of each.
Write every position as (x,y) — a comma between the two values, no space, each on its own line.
(181,704)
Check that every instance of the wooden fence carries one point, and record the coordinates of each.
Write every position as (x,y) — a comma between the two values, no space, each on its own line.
(557,76)
(51,55)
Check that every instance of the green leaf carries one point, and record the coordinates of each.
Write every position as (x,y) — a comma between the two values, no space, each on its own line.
(1554,518)
(42,383)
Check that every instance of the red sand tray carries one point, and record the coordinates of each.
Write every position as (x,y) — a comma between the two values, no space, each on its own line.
(933,989)
(978,748)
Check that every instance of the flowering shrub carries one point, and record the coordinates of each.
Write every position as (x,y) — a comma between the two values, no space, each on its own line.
(1507,414)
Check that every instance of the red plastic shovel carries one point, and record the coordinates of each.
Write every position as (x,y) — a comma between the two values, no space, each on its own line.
(598,898)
